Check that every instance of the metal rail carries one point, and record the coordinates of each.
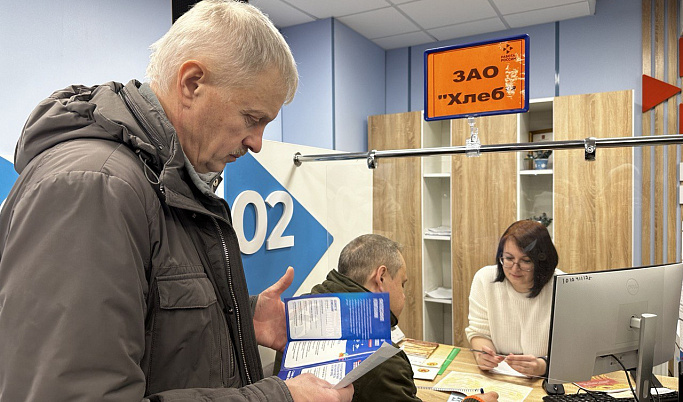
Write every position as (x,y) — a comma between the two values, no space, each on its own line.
(589,144)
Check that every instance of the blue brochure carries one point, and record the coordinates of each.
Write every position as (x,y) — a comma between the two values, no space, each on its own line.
(329,335)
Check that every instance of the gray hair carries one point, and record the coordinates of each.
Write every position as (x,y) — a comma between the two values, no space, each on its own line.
(235,40)
(365,253)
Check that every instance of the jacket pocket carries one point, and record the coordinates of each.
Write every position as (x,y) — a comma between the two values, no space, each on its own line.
(188,344)
(185,292)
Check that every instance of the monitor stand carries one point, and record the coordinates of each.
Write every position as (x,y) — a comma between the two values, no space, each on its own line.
(646,352)
(553,389)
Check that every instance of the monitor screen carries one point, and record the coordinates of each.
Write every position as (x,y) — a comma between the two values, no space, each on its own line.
(591,319)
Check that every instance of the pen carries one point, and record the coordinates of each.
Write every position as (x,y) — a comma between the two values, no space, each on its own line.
(481,351)
(448,360)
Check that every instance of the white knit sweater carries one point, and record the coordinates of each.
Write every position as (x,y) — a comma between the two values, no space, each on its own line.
(512,321)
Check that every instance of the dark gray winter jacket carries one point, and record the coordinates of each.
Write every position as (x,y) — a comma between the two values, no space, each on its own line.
(119,279)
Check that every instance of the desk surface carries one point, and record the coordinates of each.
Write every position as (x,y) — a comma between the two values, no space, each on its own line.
(464,362)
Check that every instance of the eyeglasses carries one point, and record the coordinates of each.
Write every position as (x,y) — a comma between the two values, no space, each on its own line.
(524,265)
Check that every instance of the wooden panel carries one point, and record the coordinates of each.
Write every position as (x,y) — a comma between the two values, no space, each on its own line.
(484,204)
(659,191)
(396,203)
(670,182)
(658,201)
(593,200)
(646,198)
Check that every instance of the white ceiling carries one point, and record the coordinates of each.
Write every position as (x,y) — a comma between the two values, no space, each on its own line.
(401,23)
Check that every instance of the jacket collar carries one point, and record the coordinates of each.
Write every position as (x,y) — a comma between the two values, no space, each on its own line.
(340,283)
(113,112)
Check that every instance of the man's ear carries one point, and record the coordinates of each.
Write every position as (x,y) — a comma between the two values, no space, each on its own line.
(376,281)
(191,78)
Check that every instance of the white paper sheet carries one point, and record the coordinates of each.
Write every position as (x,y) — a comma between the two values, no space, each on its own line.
(382,354)
(505,369)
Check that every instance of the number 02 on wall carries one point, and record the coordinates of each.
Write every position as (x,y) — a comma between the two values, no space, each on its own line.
(276,239)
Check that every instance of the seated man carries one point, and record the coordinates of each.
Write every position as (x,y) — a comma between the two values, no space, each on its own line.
(374,263)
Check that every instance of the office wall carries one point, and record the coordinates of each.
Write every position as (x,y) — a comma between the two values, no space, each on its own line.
(308,120)
(47,45)
(341,84)
(597,53)
(603,52)
(397,80)
(359,89)
(324,208)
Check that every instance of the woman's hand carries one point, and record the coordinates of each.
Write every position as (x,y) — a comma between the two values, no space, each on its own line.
(527,364)
(489,359)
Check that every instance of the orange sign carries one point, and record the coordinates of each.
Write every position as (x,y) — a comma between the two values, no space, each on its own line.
(477,79)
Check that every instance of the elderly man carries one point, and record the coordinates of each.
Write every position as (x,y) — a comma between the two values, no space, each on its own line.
(120,272)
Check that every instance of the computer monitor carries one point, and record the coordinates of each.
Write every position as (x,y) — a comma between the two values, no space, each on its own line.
(592,318)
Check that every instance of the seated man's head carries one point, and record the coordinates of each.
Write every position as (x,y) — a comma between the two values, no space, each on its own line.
(377,263)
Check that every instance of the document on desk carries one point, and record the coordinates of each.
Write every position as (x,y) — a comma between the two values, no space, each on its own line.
(505,369)
(424,373)
(507,392)
(425,366)
(604,383)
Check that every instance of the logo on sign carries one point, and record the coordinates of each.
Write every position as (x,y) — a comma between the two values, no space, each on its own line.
(275,231)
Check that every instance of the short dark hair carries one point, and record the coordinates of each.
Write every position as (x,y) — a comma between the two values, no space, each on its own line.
(534,239)
(365,253)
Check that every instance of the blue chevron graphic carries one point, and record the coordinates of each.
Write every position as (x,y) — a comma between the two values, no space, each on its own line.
(311,239)
(7,177)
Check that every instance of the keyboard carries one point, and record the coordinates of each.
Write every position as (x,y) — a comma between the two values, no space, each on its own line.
(602,397)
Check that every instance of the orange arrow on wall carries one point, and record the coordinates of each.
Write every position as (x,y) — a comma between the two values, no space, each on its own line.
(656,92)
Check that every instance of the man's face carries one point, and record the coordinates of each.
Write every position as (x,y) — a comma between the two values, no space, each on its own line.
(226,123)
(396,286)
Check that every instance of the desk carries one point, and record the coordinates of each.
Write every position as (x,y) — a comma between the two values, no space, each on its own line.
(464,362)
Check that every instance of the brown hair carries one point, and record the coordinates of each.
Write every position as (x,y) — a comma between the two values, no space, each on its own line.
(533,238)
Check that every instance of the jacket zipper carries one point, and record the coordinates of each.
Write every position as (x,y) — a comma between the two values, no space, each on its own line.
(140,117)
(232,295)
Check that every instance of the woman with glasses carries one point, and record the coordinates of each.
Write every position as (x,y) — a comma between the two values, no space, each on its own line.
(509,314)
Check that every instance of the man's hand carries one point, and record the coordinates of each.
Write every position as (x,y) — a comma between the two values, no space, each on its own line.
(488,360)
(527,364)
(269,316)
(307,387)
(487,397)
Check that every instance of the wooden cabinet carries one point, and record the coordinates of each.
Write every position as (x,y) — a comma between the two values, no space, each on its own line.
(594,200)
(396,203)
(591,202)
(484,204)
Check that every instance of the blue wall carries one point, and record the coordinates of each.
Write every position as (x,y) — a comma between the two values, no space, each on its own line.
(358,87)
(308,120)
(398,80)
(341,84)
(47,45)
(604,52)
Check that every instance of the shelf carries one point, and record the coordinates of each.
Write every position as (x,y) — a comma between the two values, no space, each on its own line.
(434,237)
(440,301)
(445,175)
(535,172)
